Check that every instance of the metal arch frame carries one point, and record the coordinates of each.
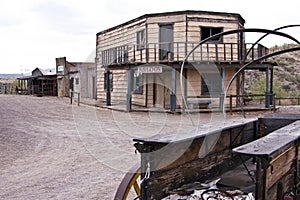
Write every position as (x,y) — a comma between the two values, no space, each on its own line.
(253,30)
(253,45)
(262,37)
(254,61)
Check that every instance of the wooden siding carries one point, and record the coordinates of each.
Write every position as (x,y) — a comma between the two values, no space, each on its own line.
(119,87)
(118,94)
(122,41)
(186,36)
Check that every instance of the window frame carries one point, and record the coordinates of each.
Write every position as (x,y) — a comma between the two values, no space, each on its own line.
(140,39)
(137,83)
(77,81)
(211,28)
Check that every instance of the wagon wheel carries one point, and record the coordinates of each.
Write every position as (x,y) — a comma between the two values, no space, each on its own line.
(129,183)
(216,194)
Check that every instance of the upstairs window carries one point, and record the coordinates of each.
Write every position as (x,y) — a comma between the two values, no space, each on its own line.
(210,31)
(140,40)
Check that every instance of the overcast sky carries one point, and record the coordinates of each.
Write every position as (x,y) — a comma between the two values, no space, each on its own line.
(35,32)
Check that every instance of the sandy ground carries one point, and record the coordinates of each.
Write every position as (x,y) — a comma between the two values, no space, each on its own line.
(50,149)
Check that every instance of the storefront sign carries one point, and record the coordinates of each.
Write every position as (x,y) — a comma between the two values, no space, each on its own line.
(150,69)
(60,68)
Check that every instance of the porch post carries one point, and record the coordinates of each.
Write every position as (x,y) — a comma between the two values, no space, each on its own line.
(267,98)
(184,89)
(271,86)
(146,85)
(221,103)
(129,89)
(108,88)
(173,91)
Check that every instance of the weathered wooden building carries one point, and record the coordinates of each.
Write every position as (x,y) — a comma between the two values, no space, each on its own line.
(138,62)
(41,83)
(78,77)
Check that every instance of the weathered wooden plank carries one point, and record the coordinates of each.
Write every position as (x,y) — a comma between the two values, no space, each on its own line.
(279,166)
(271,143)
(166,19)
(193,132)
(275,121)
(287,183)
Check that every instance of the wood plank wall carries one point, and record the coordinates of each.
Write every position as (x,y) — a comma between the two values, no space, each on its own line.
(186,28)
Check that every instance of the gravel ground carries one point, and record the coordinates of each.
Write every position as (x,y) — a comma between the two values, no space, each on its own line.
(50,149)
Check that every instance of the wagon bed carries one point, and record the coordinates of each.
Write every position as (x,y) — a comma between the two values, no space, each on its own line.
(170,162)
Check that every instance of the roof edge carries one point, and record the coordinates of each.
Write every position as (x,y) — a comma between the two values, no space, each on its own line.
(241,19)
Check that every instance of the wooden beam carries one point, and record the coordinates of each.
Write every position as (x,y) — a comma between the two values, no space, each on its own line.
(129,89)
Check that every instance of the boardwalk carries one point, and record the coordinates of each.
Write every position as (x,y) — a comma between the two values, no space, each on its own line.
(50,149)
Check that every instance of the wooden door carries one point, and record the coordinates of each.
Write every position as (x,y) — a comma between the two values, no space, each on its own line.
(161,89)
(166,39)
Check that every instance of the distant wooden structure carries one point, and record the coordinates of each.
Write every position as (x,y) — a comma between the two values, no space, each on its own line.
(77,77)
(138,62)
(40,83)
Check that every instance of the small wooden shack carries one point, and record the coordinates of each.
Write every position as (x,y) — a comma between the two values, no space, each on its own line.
(138,62)
(40,83)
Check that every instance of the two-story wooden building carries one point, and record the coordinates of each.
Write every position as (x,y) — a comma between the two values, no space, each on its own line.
(138,62)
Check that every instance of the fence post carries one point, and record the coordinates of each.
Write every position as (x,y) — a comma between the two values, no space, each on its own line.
(78,98)
(71,97)
(274,102)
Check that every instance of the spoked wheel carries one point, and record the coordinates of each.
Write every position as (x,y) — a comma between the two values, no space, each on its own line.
(216,194)
(130,186)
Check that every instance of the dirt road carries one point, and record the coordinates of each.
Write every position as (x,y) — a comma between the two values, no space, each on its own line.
(50,149)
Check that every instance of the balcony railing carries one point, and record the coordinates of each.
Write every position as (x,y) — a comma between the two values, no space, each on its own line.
(175,52)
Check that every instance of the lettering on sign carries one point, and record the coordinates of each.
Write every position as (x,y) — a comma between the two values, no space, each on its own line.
(150,69)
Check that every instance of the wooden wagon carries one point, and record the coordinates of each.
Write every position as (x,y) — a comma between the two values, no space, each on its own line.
(260,156)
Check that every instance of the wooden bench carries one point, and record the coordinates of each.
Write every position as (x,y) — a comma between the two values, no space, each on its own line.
(202,103)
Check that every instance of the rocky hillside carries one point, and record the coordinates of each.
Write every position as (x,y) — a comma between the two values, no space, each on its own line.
(286,75)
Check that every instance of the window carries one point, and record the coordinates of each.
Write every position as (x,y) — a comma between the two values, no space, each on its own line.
(140,39)
(137,83)
(211,84)
(115,55)
(110,76)
(210,31)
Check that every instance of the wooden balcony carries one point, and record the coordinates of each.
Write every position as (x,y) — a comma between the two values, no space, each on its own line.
(175,52)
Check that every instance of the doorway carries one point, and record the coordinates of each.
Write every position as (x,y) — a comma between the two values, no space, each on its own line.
(166,39)
(161,90)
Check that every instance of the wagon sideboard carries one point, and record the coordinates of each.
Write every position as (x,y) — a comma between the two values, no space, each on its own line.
(277,156)
(173,163)
(170,161)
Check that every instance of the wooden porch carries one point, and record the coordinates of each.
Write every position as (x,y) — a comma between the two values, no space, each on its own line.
(157,53)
